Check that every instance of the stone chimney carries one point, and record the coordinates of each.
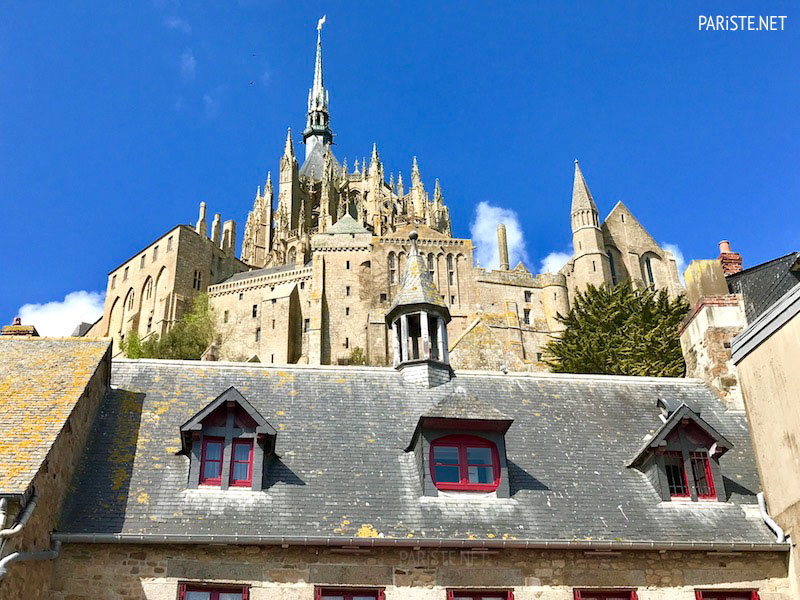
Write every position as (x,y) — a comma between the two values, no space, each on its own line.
(201,226)
(229,237)
(731,261)
(502,247)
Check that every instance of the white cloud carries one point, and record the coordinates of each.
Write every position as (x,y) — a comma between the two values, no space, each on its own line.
(484,233)
(178,24)
(266,77)
(188,65)
(211,104)
(58,319)
(680,261)
(553,262)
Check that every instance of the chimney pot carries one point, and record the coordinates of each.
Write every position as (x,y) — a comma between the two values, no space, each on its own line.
(731,261)
(724,247)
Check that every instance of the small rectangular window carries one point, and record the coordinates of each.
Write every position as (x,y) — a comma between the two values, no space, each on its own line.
(272,358)
(274,301)
(701,471)
(605,594)
(526,316)
(384,297)
(347,342)
(727,595)
(302,285)
(346,311)
(273,323)
(452,299)
(141,261)
(451,278)
(241,295)
(197,281)
(242,463)
(258,334)
(211,461)
(306,324)
(149,323)
(348,594)
(225,317)
(155,254)
(347,265)
(194,592)
(347,290)
(113,281)
(169,244)
(255,310)
(539,356)
(528,296)
(125,274)
(676,475)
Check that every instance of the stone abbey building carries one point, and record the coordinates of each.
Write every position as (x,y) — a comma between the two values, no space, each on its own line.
(320,264)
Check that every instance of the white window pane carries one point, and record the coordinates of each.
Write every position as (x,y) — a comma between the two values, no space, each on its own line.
(240,471)
(481,475)
(199,596)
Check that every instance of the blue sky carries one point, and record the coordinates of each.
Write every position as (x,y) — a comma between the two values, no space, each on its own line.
(117,119)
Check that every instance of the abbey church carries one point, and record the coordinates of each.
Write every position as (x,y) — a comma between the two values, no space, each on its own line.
(320,266)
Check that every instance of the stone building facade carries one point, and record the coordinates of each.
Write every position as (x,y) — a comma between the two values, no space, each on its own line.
(321,257)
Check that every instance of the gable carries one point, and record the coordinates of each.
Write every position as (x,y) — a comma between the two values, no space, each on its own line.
(479,348)
(623,231)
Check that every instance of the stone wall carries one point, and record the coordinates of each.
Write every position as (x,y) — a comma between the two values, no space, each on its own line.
(27,580)
(116,572)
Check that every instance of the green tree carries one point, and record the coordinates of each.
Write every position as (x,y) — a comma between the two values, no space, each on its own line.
(187,340)
(621,331)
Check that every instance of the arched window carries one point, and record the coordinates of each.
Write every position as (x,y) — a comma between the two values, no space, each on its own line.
(430,265)
(148,288)
(392,268)
(465,462)
(612,266)
(130,300)
(648,271)
(451,272)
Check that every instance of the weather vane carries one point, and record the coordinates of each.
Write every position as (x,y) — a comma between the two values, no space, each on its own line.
(321,22)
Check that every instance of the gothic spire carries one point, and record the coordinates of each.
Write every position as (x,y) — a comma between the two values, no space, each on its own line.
(318,118)
(288,150)
(581,196)
(318,90)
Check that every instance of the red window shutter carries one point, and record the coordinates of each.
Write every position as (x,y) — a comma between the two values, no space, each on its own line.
(450,594)
(181,591)
(381,595)
(755,595)
(245,593)
(698,595)
(318,593)
(577,595)
(510,595)
(634,595)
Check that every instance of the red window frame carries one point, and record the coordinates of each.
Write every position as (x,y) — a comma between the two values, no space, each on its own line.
(726,594)
(462,442)
(695,457)
(203,460)
(214,592)
(242,482)
(480,595)
(606,594)
(682,467)
(348,593)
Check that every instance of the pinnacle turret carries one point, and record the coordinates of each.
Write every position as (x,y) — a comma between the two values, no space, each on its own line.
(581,196)
(288,150)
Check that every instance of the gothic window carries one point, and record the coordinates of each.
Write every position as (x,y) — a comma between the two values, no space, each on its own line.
(464,462)
(648,266)
(196,280)
(451,272)
(430,265)
(392,269)
(130,300)
(612,267)
(148,288)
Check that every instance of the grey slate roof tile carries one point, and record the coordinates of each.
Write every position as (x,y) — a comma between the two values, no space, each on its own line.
(341,469)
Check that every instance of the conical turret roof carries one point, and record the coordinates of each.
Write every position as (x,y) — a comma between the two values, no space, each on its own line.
(581,196)
(416,286)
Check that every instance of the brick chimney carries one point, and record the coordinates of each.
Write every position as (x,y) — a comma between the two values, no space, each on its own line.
(731,261)
(19,329)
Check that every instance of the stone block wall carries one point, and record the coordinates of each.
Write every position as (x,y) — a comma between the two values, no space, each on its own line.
(142,572)
(28,580)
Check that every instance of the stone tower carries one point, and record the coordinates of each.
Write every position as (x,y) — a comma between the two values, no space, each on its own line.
(591,265)
(418,322)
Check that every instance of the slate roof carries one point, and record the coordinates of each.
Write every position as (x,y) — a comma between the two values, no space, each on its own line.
(41,380)
(763,285)
(347,224)
(260,272)
(462,405)
(343,473)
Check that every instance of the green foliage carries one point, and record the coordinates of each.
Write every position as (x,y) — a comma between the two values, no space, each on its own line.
(357,357)
(187,340)
(621,331)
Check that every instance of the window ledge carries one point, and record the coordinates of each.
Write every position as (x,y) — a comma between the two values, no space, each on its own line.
(445,495)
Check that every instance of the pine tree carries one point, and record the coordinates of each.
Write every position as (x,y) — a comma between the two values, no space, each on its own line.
(621,331)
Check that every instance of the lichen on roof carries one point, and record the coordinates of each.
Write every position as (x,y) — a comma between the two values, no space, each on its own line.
(41,380)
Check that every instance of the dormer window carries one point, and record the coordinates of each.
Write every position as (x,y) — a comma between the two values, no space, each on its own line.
(465,462)
(228,443)
(681,458)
